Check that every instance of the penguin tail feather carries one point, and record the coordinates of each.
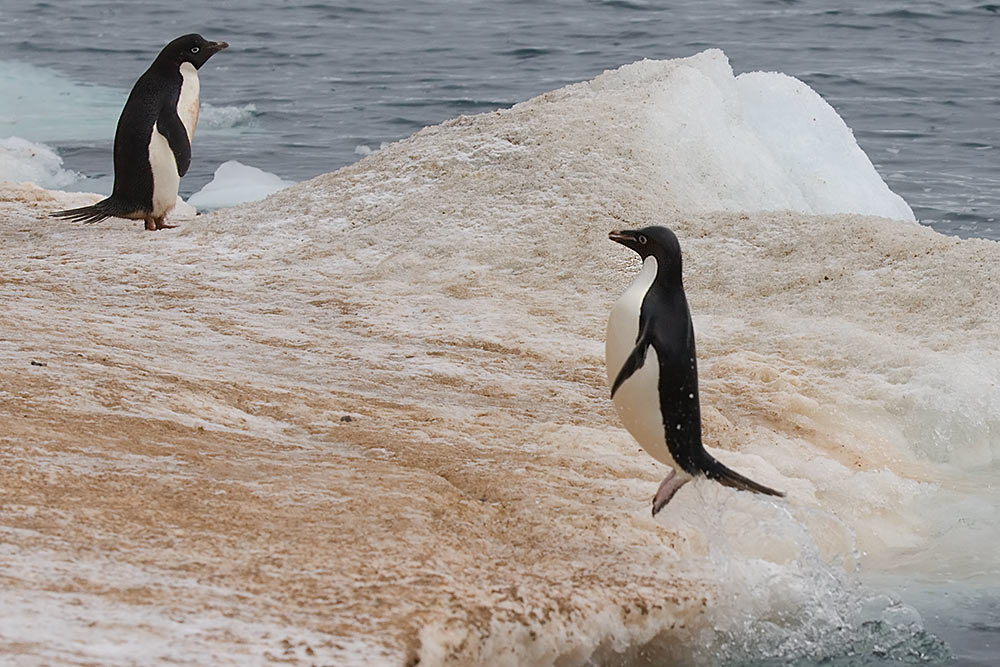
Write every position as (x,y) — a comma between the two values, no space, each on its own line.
(106,208)
(728,477)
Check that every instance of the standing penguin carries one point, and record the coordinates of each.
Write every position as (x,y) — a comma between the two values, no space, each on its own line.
(652,367)
(153,140)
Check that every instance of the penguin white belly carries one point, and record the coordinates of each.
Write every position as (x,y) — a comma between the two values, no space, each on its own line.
(637,400)
(166,180)
(187,102)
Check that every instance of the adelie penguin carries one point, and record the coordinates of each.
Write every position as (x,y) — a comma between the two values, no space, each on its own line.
(153,140)
(653,368)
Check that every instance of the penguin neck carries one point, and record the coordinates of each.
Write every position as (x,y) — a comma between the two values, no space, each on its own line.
(187,102)
(649,272)
(631,300)
(666,273)
(165,64)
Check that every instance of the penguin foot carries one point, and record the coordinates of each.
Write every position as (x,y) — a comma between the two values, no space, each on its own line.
(156,224)
(670,485)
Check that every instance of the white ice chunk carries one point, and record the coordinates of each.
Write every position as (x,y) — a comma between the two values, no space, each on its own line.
(183,210)
(813,146)
(236,183)
(758,142)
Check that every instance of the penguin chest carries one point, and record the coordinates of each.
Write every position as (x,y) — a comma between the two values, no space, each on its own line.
(188,101)
(637,400)
(166,180)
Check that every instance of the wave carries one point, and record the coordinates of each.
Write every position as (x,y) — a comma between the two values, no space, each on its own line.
(43,105)
(398,378)
(225,117)
(364,150)
(25,161)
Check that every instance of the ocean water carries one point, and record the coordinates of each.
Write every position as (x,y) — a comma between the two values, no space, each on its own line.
(308,87)
(853,360)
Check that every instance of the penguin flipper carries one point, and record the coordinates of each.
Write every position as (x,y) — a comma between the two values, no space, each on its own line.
(635,359)
(713,469)
(170,126)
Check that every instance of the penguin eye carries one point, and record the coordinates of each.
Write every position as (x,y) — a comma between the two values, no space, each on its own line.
(195,49)
(642,239)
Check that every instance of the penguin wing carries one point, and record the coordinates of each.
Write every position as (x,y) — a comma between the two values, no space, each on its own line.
(170,126)
(636,358)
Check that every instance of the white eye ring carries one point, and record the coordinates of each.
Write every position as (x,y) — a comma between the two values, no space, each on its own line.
(195,49)
(642,239)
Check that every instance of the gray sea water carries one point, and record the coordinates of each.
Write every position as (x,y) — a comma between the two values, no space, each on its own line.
(313,86)
(324,82)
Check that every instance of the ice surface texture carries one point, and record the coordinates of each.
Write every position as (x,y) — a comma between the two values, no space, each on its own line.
(175,462)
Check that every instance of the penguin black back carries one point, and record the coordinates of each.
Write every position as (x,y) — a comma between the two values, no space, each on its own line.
(152,105)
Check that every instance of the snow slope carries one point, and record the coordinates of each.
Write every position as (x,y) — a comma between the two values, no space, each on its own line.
(365,421)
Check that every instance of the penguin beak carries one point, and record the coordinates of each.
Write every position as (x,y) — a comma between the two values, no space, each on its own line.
(624,237)
(215,47)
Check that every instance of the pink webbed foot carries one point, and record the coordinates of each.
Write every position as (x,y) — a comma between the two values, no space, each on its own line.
(668,487)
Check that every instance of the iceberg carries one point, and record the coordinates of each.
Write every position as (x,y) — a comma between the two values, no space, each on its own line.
(365,420)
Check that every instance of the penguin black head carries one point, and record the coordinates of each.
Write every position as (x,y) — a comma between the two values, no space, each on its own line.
(658,242)
(192,48)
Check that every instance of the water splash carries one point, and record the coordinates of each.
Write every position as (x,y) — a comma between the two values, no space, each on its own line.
(787,598)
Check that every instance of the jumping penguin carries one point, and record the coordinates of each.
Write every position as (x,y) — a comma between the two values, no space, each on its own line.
(653,371)
(153,140)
